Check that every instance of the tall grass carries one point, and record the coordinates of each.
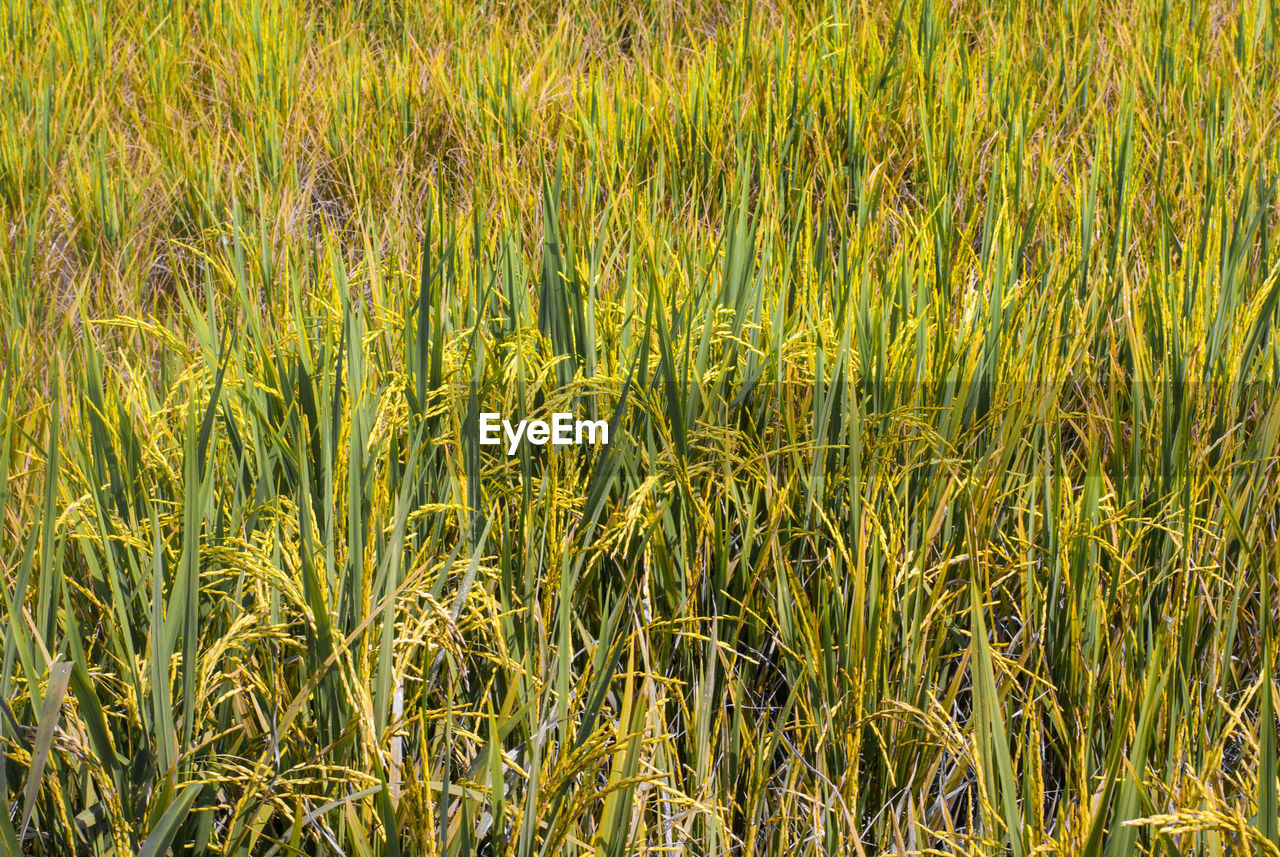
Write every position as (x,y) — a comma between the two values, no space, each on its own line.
(937,345)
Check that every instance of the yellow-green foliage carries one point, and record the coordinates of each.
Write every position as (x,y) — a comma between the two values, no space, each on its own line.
(938,345)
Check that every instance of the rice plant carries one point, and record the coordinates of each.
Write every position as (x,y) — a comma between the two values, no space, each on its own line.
(937,349)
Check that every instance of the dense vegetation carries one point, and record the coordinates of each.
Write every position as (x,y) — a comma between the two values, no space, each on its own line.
(938,346)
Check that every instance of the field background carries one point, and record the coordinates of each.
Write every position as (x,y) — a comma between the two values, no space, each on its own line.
(938,341)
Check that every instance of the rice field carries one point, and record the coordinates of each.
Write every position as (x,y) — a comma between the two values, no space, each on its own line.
(936,344)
